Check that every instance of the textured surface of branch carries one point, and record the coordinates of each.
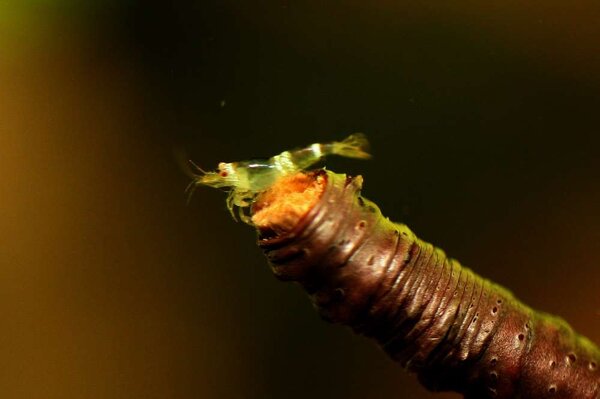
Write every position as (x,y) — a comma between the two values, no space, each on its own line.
(456,330)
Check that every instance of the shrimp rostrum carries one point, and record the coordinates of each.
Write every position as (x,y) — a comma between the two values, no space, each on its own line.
(246,179)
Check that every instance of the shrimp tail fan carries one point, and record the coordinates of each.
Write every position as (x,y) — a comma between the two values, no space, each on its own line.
(354,146)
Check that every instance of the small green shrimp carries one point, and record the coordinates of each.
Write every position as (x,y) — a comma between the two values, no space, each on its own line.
(247,179)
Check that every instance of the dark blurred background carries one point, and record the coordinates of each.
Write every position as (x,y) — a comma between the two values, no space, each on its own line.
(484,121)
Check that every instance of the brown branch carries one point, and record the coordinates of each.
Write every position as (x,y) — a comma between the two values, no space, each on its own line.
(456,330)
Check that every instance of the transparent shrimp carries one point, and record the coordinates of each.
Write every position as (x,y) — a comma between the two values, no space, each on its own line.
(247,179)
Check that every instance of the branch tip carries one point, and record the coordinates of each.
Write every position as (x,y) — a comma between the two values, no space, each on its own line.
(285,203)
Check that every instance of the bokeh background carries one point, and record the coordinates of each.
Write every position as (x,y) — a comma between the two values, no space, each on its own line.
(484,119)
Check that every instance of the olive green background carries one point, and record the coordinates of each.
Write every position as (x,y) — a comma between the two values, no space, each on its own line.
(484,119)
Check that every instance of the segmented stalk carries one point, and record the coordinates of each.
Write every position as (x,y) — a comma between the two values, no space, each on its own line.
(456,330)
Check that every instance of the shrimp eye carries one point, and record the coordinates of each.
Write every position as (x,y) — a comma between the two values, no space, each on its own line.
(223,173)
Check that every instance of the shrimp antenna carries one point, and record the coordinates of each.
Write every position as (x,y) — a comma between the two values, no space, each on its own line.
(182,159)
(190,189)
(196,166)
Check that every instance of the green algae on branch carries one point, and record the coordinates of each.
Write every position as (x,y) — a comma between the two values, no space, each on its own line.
(456,330)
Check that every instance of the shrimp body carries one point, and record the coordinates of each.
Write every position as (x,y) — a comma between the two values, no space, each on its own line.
(246,179)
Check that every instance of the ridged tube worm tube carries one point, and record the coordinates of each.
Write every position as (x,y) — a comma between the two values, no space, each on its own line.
(456,330)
